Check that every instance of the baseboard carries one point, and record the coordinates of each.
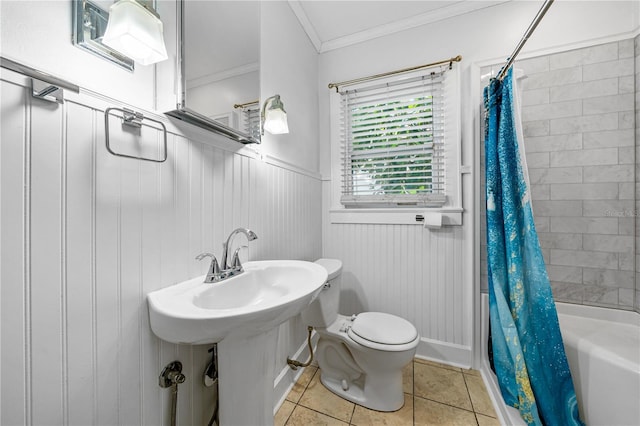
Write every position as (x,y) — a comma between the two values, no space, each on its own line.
(287,377)
(445,353)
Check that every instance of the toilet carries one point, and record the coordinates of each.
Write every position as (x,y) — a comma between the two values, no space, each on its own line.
(361,357)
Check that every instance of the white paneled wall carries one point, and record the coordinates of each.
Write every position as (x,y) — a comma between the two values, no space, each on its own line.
(85,235)
(419,274)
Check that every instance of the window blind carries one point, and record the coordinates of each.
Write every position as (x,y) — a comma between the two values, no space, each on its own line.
(392,142)
(251,121)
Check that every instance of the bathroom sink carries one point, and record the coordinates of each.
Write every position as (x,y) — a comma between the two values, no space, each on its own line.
(264,296)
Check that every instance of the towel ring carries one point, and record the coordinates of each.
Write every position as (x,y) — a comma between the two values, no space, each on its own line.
(133,119)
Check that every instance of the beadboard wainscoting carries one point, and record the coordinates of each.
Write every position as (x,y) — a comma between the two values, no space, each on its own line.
(422,275)
(86,235)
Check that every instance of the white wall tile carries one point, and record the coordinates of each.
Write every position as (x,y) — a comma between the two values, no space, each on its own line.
(567,274)
(608,243)
(535,128)
(584,191)
(564,142)
(610,173)
(608,278)
(553,79)
(589,89)
(584,225)
(583,258)
(605,104)
(606,139)
(535,96)
(558,208)
(555,175)
(608,208)
(587,55)
(554,110)
(604,70)
(584,124)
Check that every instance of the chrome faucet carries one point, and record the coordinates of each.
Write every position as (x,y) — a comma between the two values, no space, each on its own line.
(221,272)
(235,261)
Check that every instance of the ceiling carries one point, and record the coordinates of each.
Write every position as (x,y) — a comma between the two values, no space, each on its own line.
(333,24)
(329,24)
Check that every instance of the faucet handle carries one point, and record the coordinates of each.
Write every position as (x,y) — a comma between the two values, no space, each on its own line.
(214,268)
(235,260)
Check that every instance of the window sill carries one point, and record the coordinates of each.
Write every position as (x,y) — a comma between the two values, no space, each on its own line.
(450,216)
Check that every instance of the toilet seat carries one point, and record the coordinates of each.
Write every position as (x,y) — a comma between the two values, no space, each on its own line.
(386,332)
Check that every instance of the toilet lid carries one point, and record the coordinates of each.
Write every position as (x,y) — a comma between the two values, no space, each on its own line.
(385,329)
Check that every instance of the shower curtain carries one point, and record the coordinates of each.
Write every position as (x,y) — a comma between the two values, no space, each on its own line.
(528,353)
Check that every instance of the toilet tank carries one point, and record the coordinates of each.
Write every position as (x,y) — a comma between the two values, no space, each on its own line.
(324,310)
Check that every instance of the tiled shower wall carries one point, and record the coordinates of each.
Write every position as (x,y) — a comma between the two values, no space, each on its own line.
(579,128)
(637,90)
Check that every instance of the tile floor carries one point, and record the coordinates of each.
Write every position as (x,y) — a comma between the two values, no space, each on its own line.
(435,394)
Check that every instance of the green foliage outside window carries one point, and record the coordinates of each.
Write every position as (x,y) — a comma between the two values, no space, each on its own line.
(404,129)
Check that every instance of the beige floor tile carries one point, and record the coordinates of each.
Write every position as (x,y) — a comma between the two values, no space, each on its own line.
(319,398)
(302,416)
(407,378)
(437,364)
(402,417)
(472,372)
(433,413)
(441,385)
(479,397)
(299,387)
(283,413)
(486,420)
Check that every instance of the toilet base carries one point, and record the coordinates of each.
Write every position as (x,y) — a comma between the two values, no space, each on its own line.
(381,393)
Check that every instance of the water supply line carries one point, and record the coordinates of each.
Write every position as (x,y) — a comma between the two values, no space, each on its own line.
(171,376)
(295,364)
(211,380)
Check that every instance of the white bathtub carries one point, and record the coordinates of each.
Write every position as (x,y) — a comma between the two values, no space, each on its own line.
(603,350)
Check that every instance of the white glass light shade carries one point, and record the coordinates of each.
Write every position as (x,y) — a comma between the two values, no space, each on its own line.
(275,121)
(135,32)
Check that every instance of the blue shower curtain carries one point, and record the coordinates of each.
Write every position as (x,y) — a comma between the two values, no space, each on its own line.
(528,353)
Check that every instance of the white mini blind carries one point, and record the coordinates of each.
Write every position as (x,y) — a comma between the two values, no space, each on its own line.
(393,142)
(251,120)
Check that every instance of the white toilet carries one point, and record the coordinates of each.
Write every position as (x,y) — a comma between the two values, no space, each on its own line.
(360,357)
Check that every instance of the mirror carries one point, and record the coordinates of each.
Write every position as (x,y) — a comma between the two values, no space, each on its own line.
(220,67)
(89,24)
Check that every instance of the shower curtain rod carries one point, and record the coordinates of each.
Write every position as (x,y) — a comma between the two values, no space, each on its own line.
(527,34)
(386,74)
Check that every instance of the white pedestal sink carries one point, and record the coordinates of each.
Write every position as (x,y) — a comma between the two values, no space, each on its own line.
(240,314)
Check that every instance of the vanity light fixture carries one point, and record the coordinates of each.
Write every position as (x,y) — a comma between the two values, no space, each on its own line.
(135,30)
(274,117)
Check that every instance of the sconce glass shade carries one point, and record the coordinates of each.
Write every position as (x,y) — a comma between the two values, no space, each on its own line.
(274,116)
(136,32)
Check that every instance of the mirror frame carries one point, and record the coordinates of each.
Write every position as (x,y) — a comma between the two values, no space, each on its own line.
(182,112)
(94,44)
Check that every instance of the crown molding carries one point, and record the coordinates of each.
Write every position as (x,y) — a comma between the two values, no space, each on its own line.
(455,9)
(223,75)
(459,8)
(306,24)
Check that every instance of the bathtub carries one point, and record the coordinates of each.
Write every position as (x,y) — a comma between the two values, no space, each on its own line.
(603,350)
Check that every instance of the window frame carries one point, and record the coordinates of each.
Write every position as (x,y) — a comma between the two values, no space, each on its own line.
(397,213)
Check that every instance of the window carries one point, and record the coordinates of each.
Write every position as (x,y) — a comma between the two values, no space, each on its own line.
(395,137)
(251,120)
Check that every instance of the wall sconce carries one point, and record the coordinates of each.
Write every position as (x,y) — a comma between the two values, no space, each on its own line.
(274,117)
(135,30)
